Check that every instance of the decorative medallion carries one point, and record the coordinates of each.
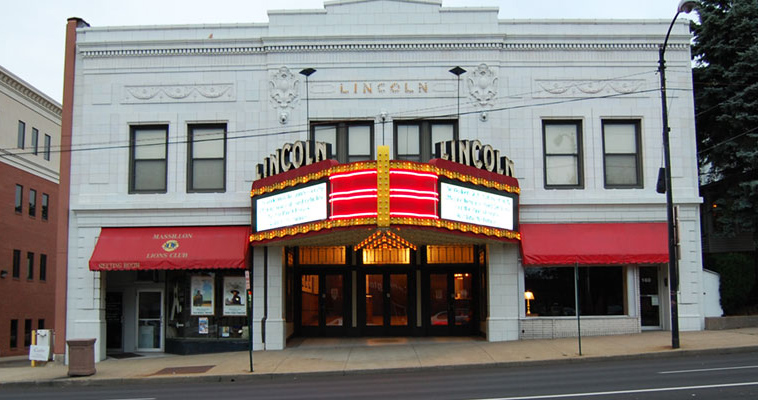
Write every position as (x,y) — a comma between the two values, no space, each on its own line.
(482,85)
(285,89)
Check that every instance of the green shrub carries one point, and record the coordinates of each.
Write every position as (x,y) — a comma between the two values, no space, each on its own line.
(737,279)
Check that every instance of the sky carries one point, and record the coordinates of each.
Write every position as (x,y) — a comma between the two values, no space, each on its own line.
(33,32)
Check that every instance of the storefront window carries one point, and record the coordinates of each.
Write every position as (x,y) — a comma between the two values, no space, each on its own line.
(207,305)
(601,291)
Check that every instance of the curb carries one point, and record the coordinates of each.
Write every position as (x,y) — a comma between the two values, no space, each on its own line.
(271,376)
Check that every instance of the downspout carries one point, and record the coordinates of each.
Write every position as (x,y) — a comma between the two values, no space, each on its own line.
(265,296)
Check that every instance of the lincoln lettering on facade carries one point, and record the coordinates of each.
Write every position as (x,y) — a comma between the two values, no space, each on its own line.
(384,87)
(292,156)
(474,154)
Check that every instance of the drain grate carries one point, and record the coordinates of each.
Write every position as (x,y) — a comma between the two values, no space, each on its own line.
(197,369)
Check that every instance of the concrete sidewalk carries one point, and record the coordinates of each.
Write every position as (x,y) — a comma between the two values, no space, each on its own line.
(361,355)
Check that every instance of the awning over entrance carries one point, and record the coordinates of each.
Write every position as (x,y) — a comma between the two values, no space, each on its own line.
(205,247)
(594,244)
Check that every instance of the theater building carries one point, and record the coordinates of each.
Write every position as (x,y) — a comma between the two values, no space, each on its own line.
(375,168)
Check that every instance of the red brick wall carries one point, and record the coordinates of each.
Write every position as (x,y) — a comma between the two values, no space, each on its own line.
(22,298)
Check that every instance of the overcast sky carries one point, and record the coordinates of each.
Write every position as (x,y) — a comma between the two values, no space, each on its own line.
(33,31)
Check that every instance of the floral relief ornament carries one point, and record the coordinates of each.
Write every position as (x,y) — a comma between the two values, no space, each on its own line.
(284,87)
(482,84)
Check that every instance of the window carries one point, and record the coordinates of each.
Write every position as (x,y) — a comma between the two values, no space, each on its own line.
(47,147)
(41,323)
(27,332)
(45,205)
(350,141)
(148,145)
(562,146)
(206,171)
(621,150)
(19,198)
(21,134)
(29,266)
(32,202)
(35,141)
(16,263)
(14,333)
(601,290)
(43,267)
(415,140)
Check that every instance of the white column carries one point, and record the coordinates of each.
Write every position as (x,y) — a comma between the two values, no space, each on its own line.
(276,332)
(504,294)
(257,286)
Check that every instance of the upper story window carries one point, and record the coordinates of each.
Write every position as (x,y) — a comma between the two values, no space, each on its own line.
(415,140)
(148,159)
(351,141)
(35,141)
(32,202)
(21,134)
(43,267)
(19,198)
(48,139)
(622,157)
(16,263)
(206,169)
(45,205)
(29,265)
(562,146)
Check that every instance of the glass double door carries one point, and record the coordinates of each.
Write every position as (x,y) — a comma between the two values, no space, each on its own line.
(450,302)
(324,309)
(385,304)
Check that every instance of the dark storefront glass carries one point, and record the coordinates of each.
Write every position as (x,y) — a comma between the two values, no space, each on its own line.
(601,291)
(220,312)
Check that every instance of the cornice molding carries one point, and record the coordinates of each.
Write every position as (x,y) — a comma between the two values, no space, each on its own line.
(347,47)
(29,93)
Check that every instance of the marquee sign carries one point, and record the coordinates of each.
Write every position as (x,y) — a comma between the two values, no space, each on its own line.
(474,154)
(446,194)
(476,206)
(291,207)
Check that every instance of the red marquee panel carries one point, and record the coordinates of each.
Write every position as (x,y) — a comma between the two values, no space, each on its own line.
(413,194)
(353,194)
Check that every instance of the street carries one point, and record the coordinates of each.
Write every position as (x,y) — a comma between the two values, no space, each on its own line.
(728,376)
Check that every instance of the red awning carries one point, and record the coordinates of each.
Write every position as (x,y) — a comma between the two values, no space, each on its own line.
(203,247)
(594,244)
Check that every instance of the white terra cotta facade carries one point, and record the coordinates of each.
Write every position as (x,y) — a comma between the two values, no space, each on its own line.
(374,57)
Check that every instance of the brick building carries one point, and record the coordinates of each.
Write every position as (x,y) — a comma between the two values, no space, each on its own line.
(30,125)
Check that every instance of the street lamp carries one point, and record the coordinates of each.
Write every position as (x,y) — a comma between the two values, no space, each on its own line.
(684,6)
(457,71)
(307,72)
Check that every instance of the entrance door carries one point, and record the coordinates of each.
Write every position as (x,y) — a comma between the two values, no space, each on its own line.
(386,307)
(150,320)
(650,307)
(451,303)
(114,323)
(323,304)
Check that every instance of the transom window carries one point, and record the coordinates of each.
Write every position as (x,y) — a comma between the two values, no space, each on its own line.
(351,141)
(149,147)
(206,171)
(562,145)
(622,158)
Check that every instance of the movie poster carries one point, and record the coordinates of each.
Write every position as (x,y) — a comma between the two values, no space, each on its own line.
(235,300)
(202,295)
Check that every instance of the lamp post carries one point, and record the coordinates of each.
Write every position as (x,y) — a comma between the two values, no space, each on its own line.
(307,72)
(457,71)
(684,6)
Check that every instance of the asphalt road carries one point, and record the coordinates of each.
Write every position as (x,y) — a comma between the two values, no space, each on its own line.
(727,376)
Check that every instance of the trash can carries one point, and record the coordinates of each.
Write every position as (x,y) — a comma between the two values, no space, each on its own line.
(81,357)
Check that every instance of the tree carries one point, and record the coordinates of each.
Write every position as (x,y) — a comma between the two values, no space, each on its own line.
(726,106)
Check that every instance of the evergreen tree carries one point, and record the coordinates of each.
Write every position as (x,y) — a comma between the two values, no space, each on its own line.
(726,105)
